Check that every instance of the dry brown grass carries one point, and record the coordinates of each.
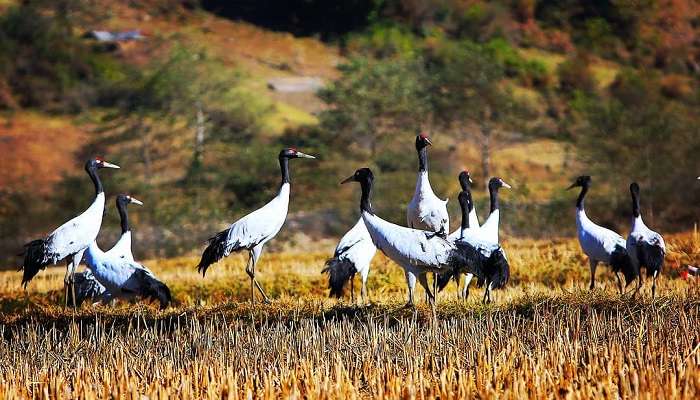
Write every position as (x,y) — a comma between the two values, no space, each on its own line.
(545,336)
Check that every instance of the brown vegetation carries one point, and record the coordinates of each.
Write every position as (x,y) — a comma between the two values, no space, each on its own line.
(545,337)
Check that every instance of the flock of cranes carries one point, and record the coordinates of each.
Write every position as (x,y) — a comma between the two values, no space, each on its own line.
(423,247)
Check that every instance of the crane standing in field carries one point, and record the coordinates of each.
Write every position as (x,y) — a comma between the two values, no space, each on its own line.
(86,285)
(490,263)
(416,251)
(123,246)
(71,239)
(489,229)
(645,247)
(425,211)
(255,229)
(486,233)
(465,182)
(601,244)
(352,255)
(124,278)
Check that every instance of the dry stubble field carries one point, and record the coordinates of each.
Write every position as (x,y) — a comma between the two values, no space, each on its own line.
(546,335)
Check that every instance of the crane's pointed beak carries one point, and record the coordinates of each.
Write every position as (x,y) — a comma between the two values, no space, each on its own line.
(105,164)
(470,180)
(573,185)
(507,186)
(428,142)
(135,201)
(348,179)
(302,155)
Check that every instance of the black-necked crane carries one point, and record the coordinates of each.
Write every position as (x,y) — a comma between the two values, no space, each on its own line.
(71,239)
(645,247)
(425,211)
(123,246)
(352,255)
(465,182)
(86,285)
(489,229)
(123,278)
(490,265)
(601,244)
(416,251)
(255,229)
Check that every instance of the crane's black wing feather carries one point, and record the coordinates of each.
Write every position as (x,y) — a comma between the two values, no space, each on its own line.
(35,259)
(340,271)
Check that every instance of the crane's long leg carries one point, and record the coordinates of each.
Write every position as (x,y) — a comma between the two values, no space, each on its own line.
(435,285)
(423,279)
(486,295)
(251,273)
(411,282)
(593,265)
(467,281)
(363,291)
(254,255)
(352,288)
(69,280)
(640,282)
(653,284)
(619,283)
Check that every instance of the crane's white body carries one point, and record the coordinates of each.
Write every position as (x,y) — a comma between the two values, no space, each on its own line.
(115,273)
(640,235)
(489,230)
(478,241)
(416,251)
(426,211)
(75,236)
(357,247)
(597,243)
(257,228)
(122,248)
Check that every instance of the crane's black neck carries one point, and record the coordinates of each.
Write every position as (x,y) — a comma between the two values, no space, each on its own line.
(92,172)
(465,203)
(423,159)
(635,203)
(284,167)
(581,197)
(493,196)
(365,204)
(464,183)
(123,216)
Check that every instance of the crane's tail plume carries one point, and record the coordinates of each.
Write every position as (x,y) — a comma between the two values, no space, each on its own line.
(620,262)
(153,289)
(86,287)
(340,271)
(217,249)
(651,256)
(443,279)
(497,269)
(35,259)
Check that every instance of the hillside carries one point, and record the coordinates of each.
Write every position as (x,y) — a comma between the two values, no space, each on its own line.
(206,66)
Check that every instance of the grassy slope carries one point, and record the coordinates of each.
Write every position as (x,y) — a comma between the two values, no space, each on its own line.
(262,54)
